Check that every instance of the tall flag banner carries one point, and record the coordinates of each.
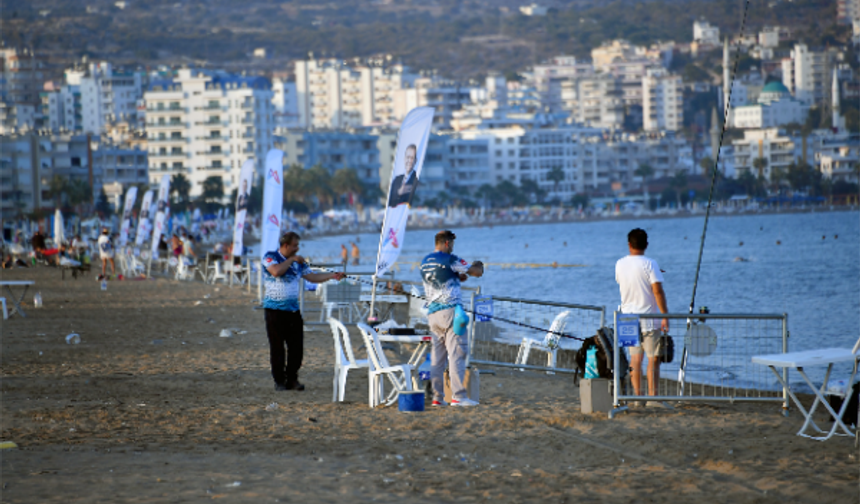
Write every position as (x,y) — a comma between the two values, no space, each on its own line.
(273,201)
(162,206)
(130,198)
(144,227)
(246,178)
(405,175)
(59,228)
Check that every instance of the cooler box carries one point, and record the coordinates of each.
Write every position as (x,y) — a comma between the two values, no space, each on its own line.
(595,395)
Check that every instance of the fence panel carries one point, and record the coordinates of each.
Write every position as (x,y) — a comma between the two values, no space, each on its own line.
(712,359)
(503,342)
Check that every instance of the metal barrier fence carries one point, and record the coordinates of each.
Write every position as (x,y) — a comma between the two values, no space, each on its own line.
(712,359)
(509,344)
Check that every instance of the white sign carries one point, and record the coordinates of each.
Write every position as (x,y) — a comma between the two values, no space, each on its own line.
(130,198)
(162,206)
(273,201)
(143,225)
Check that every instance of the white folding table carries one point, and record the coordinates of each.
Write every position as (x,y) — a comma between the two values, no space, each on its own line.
(363,305)
(800,360)
(423,343)
(16,302)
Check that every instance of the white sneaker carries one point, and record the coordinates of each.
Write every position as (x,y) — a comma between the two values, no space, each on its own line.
(439,404)
(463,402)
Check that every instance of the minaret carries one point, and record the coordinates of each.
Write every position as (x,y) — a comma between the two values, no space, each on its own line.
(838,121)
(715,134)
(726,76)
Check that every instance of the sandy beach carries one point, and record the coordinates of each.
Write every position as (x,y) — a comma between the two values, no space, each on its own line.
(154,406)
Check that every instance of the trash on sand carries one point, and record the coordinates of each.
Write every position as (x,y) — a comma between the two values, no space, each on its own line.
(198,303)
(226,333)
(272,407)
(73,339)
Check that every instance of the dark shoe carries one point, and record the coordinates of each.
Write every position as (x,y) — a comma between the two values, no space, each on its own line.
(294,385)
(280,387)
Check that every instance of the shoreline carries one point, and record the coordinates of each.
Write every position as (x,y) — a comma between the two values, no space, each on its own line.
(587,219)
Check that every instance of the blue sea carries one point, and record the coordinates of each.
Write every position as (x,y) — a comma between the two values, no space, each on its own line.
(804,264)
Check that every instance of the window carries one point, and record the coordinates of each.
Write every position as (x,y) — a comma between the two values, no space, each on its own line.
(177,166)
(176,135)
(510,140)
(498,166)
(498,141)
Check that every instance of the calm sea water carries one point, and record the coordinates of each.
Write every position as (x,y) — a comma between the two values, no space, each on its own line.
(806,265)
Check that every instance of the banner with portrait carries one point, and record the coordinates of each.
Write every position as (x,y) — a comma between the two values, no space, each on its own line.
(405,175)
(144,227)
(273,201)
(246,178)
(130,198)
(162,205)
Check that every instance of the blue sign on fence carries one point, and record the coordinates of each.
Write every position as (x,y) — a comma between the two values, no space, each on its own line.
(483,308)
(628,330)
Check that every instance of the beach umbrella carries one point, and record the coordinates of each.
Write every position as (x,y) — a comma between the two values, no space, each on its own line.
(58,228)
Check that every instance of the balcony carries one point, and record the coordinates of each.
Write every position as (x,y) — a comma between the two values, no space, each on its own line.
(212,107)
(169,155)
(214,153)
(166,125)
(178,110)
(167,140)
(214,168)
(213,124)
(213,138)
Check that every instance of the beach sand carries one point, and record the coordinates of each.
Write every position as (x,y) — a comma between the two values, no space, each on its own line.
(154,406)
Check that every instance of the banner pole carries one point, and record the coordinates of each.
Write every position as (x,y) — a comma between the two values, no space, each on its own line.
(370,316)
(232,268)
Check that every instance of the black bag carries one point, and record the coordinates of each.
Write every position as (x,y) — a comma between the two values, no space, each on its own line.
(850,416)
(668,349)
(603,342)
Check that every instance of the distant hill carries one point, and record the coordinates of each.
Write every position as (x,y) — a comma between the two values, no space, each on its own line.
(443,35)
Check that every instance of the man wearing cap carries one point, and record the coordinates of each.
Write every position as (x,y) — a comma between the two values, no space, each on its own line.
(284,324)
(106,252)
(442,273)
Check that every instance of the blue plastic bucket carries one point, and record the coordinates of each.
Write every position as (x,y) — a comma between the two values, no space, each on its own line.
(411,401)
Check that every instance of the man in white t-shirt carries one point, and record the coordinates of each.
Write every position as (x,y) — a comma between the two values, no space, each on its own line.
(641,283)
(106,252)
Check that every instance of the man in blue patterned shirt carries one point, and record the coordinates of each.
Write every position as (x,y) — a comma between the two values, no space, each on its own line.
(282,270)
(442,273)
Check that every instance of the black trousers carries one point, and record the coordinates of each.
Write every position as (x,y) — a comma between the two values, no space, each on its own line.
(286,344)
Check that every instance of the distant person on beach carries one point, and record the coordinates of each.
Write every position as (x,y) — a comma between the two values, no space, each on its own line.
(403,187)
(442,273)
(344,254)
(106,252)
(284,324)
(641,283)
(356,254)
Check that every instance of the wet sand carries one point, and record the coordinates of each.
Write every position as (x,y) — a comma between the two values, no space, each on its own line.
(154,406)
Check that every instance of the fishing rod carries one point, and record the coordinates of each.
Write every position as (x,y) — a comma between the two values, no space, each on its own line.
(714,172)
(493,317)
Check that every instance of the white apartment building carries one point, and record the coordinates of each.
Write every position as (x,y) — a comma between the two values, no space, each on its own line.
(204,124)
(62,108)
(23,75)
(598,102)
(445,97)
(332,94)
(775,107)
(15,117)
(704,33)
(106,95)
(662,101)
(550,78)
(771,144)
(807,73)
(286,104)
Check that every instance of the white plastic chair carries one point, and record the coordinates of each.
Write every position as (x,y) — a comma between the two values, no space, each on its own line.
(218,274)
(399,376)
(344,358)
(417,310)
(5,313)
(549,343)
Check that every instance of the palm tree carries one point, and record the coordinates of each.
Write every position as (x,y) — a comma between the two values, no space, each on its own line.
(556,175)
(79,192)
(295,184)
(760,164)
(181,187)
(213,193)
(319,181)
(645,171)
(345,182)
(706,164)
(58,188)
(679,183)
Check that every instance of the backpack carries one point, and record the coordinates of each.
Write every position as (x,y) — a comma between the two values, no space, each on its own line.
(602,341)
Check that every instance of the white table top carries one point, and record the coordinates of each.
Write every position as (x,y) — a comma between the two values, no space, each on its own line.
(385,298)
(820,357)
(17,282)
(405,338)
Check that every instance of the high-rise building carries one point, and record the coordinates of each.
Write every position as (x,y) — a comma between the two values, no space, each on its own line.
(662,101)
(704,33)
(807,73)
(285,101)
(847,11)
(107,95)
(333,150)
(23,75)
(62,108)
(204,124)
(333,94)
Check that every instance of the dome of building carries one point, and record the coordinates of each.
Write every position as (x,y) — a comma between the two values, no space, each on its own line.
(773,91)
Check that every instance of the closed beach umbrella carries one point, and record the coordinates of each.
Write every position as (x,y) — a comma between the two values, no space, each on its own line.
(58,228)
